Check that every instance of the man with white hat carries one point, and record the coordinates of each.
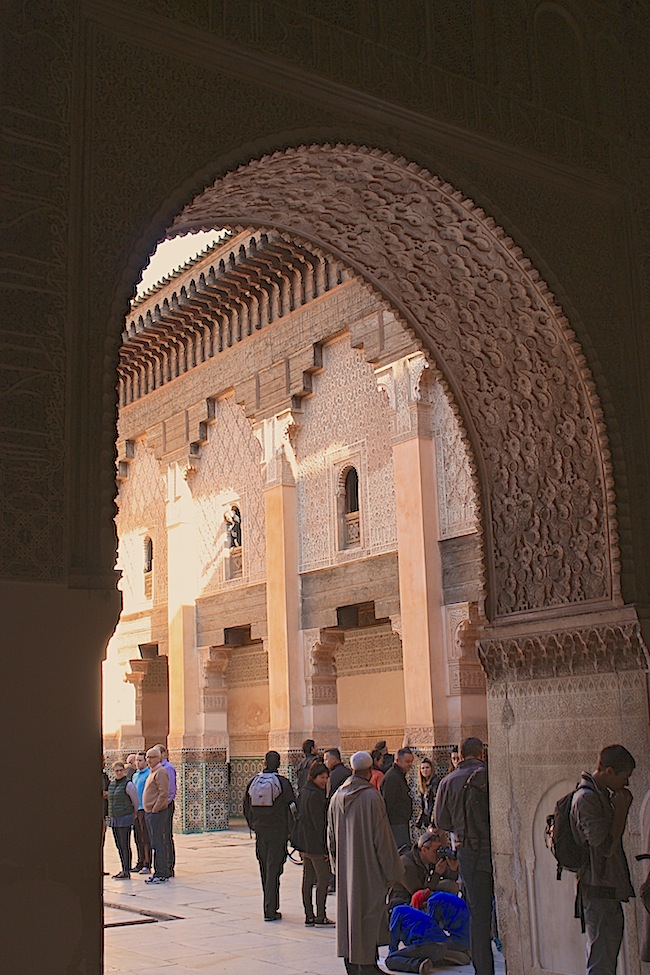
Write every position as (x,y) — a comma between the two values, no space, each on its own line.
(365,860)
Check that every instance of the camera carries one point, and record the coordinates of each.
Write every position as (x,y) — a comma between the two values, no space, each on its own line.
(446,853)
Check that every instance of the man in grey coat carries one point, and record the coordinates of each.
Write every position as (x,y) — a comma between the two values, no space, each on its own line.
(365,861)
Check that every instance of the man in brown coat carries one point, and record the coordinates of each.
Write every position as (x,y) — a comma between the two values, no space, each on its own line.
(155,799)
(365,861)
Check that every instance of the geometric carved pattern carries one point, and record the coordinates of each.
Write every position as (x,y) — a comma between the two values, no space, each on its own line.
(249,665)
(507,353)
(229,469)
(369,650)
(607,648)
(345,409)
(456,488)
(141,512)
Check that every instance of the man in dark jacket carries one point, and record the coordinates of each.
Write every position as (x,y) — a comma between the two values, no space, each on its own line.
(397,796)
(337,770)
(425,868)
(462,808)
(270,823)
(599,812)
(310,753)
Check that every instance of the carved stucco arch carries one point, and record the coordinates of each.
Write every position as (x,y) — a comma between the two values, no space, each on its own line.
(506,352)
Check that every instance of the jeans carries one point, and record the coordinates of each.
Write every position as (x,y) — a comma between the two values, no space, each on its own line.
(156,826)
(271,852)
(168,838)
(142,844)
(122,837)
(409,959)
(604,930)
(315,870)
(478,885)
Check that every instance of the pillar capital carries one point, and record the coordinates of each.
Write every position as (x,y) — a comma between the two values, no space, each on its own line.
(275,434)
(407,386)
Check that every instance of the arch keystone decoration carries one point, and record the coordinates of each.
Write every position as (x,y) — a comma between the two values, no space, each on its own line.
(511,363)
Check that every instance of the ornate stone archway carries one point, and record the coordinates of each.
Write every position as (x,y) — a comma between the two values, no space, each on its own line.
(503,346)
(558,638)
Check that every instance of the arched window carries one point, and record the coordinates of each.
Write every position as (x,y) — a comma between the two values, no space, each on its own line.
(234,561)
(348,502)
(148,567)
(351,491)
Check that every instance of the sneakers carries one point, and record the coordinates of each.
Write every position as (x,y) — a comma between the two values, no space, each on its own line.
(121,876)
(145,870)
(324,922)
(156,880)
(275,917)
(310,921)
(426,967)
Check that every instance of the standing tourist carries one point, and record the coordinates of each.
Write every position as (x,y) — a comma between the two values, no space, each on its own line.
(462,807)
(338,772)
(397,796)
(365,862)
(599,812)
(171,806)
(267,799)
(313,844)
(428,783)
(155,800)
(310,753)
(142,842)
(122,804)
(377,775)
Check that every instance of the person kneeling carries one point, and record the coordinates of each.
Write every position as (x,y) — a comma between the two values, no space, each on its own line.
(432,931)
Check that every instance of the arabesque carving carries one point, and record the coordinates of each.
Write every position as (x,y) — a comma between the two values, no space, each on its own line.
(507,353)
(592,650)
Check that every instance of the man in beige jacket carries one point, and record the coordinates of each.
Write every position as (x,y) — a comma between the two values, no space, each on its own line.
(154,800)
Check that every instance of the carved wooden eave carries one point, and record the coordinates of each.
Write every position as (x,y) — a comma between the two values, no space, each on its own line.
(240,286)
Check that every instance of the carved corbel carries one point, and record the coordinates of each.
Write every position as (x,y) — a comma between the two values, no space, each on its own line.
(215,688)
(136,677)
(406,384)
(321,647)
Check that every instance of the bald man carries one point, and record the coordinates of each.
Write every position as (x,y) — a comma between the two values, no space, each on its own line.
(155,799)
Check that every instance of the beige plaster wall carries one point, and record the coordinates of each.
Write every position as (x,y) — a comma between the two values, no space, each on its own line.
(248,720)
(371,705)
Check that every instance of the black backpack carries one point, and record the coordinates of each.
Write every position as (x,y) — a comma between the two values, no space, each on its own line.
(558,835)
(476,810)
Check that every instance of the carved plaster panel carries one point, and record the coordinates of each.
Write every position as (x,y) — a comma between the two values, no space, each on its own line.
(141,513)
(506,350)
(345,420)
(373,649)
(229,473)
(457,503)
(248,665)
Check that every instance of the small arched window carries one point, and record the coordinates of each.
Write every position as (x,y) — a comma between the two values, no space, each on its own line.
(351,491)
(148,555)
(148,567)
(348,508)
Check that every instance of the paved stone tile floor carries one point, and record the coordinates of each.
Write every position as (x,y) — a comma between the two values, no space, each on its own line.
(208,919)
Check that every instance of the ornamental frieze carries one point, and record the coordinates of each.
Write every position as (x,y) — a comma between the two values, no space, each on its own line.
(608,648)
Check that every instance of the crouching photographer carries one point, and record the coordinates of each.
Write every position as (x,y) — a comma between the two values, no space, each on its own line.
(429,865)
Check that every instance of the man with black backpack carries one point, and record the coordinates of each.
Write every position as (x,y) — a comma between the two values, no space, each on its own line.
(267,799)
(599,811)
(462,808)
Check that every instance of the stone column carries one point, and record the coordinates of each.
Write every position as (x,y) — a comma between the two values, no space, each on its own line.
(420,575)
(184,700)
(284,644)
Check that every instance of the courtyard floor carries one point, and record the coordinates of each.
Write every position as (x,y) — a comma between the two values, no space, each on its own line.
(208,919)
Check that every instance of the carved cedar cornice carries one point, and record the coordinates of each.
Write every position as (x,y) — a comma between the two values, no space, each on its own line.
(509,358)
(607,648)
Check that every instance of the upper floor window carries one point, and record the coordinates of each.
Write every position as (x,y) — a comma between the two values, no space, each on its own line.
(350,529)
(148,567)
